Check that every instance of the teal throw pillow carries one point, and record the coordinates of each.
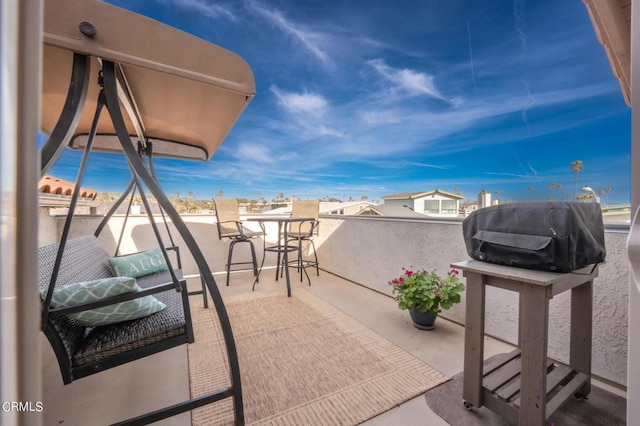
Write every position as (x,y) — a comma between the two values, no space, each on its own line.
(138,264)
(91,291)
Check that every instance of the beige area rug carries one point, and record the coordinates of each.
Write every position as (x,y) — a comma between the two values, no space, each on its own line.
(302,362)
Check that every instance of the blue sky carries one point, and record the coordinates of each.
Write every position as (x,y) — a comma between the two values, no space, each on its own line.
(364,97)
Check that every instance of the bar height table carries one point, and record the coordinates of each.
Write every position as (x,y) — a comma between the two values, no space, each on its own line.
(282,246)
(517,385)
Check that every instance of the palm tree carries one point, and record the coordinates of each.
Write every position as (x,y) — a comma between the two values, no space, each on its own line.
(220,193)
(576,166)
(497,192)
(455,189)
(607,190)
(190,193)
(554,185)
(530,188)
(176,201)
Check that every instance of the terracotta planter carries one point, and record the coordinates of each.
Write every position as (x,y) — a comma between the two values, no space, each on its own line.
(423,320)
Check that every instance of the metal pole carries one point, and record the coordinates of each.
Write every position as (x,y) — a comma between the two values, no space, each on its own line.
(20,54)
(70,115)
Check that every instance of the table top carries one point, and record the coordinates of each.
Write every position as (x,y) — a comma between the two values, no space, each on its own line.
(530,276)
(280,219)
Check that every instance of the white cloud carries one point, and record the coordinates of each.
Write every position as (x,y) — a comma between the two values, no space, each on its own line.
(379,117)
(204,8)
(309,117)
(306,103)
(429,166)
(254,152)
(310,40)
(327,131)
(407,81)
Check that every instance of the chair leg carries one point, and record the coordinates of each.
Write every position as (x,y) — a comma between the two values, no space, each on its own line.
(315,255)
(253,258)
(279,259)
(229,257)
(299,265)
(204,292)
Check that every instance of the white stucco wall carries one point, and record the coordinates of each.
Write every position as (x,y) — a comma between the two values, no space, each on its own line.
(138,236)
(370,251)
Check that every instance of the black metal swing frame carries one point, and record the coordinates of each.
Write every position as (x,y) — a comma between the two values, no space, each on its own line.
(114,92)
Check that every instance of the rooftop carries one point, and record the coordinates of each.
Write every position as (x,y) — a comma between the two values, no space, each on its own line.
(53,185)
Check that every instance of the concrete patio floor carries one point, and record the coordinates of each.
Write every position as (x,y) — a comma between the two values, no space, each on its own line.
(147,384)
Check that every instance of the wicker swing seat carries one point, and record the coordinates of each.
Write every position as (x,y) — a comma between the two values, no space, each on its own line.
(82,350)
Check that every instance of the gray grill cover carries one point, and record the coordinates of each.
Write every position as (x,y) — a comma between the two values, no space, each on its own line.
(548,236)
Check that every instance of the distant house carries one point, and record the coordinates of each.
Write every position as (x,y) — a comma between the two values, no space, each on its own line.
(329,207)
(55,196)
(346,207)
(435,203)
(389,210)
(467,208)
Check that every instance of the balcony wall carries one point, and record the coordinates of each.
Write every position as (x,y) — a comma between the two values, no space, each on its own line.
(370,251)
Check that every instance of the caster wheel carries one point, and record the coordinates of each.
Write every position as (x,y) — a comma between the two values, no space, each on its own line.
(580,397)
(467,405)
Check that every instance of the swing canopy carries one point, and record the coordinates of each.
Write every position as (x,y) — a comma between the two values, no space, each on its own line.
(188,92)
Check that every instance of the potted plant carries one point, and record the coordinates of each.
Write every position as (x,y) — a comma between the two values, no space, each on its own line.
(425,294)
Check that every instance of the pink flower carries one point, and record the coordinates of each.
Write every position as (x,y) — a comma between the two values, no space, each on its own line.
(408,273)
(394,281)
(453,272)
(437,293)
(401,279)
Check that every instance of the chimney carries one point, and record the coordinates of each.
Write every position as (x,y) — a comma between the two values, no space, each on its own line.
(484,199)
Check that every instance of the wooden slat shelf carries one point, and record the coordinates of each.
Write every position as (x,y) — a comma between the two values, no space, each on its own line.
(501,384)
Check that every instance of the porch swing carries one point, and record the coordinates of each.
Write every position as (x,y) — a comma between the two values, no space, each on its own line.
(181,96)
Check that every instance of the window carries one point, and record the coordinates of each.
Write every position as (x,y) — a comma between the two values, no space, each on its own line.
(432,206)
(449,207)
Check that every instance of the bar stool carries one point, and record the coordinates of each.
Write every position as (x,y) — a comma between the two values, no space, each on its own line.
(230,227)
(305,231)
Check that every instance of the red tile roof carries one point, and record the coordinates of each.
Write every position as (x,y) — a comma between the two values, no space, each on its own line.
(52,185)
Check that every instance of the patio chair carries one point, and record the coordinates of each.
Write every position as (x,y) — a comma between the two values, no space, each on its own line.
(305,231)
(231,228)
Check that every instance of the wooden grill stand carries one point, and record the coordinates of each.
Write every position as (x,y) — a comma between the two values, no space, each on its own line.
(524,386)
